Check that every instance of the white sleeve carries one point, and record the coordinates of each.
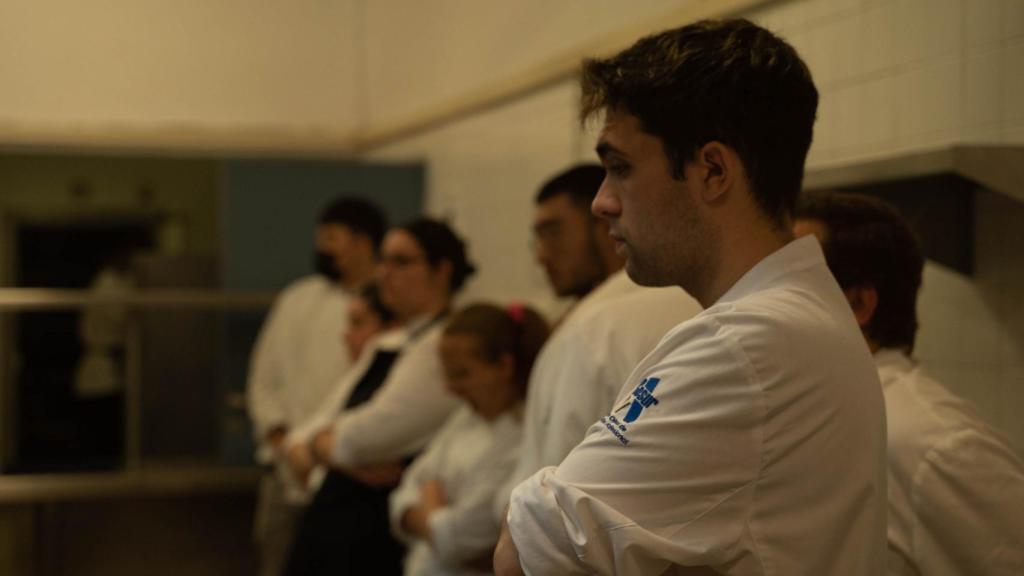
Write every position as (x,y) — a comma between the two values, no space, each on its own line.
(969,507)
(331,410)
(264,388)
(407,410)
(466,530)
(643,493)
(424,468)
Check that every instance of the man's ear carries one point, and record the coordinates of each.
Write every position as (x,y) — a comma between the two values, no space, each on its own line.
(864,301)
(718,168)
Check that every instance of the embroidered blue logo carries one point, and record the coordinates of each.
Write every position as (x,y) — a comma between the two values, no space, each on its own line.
(643,397)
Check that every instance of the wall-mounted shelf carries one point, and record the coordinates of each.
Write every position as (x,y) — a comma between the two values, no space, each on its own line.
(935,190)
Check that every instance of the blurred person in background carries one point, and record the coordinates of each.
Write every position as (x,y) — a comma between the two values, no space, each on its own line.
(371,329)
(956,487)
(296,359)
(99,379)
(368,316)
(596,345)
(443,506)
(396,401)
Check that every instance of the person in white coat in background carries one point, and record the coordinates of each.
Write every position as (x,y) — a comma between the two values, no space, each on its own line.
(394,405)
(443,506)
(372,329)
(751,440)
(956,486)
(604,335)
(297,358)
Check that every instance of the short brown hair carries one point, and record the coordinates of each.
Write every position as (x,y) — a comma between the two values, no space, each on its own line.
(515,330)
(729,81)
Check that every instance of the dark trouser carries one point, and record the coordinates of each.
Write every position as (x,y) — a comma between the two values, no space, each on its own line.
(345,530)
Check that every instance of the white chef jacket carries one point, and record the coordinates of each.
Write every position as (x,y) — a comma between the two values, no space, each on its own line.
(332,409)
(471,457)
(956,488)
(592,355)
(552,369)
(751,441)
(404,414)
(584,367)
(298,356)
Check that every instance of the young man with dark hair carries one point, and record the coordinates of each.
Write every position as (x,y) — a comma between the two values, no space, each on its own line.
(571,244)
(751,440)
(298,358)
(614,324)
(956,488)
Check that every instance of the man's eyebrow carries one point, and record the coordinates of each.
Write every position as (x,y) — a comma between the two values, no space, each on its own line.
(603,149)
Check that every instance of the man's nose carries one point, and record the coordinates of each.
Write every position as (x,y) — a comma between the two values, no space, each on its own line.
(605,204)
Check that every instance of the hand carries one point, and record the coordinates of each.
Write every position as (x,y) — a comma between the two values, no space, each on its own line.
(432,496)
(378,475)
(276,438)
(416,519)
(300,462)
(323,446)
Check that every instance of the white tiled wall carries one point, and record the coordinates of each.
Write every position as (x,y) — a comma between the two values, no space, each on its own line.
(899,75)
(894,76)
(972,329)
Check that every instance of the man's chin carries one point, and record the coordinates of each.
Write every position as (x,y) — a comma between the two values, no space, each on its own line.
(643,276)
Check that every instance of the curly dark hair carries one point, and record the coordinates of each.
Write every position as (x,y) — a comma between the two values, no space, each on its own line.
(729,81)
(440,243)
(358,215)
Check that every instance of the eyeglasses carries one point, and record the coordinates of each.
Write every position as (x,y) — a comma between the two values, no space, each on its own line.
(400,260)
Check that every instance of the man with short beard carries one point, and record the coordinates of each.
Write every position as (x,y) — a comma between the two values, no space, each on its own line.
(610,328)
(751,440)
(956,486)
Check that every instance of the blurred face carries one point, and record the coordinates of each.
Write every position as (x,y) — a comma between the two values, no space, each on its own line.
(338,243)
(486,386)
(363,324)
(408,284)
(654,218)
(565,246)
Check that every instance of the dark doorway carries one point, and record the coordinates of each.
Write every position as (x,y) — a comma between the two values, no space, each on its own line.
(57,430)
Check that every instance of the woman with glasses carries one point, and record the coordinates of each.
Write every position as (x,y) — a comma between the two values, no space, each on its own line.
(395,405)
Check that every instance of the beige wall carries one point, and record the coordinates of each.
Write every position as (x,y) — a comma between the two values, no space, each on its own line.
(151,64)
(421,53)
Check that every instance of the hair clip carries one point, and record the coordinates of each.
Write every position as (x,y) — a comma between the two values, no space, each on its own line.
(516,311)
